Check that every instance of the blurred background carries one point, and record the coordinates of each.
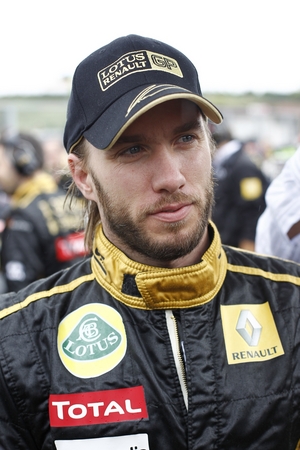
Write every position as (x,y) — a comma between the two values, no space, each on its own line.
(246,54)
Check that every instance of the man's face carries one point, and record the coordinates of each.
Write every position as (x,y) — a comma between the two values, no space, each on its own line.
(9,177)
(154,187)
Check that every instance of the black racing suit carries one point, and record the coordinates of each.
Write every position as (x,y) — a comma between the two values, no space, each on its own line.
(41,235)
(115,354)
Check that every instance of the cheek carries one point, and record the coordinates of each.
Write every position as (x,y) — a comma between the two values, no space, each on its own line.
(126,183)
(199,168)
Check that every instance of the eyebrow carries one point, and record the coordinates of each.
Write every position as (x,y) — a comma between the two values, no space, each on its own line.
(192,125)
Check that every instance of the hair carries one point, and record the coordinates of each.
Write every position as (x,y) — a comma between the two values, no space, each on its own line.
(91,215)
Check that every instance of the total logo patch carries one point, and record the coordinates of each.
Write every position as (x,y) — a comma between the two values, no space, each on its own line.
(250,333)
(89,408)
(91,340)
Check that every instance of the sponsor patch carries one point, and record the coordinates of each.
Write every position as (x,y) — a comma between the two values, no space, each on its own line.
(70,247)
(250,333)
(91,340)
(128,442)
(15,270)
(137,61)
(90,408)
(251,188)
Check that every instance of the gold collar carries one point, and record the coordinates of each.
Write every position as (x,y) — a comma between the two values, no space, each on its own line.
(158,288)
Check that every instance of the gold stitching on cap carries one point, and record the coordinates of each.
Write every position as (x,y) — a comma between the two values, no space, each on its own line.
(150,92)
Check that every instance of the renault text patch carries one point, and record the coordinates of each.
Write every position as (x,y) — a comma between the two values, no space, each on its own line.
(250,333)
(136,62)
(89,408)
(91,340)
(128,442)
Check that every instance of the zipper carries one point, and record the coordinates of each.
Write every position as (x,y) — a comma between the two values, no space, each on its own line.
(175,343)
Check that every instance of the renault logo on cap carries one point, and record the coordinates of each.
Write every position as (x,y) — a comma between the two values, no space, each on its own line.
(248,327)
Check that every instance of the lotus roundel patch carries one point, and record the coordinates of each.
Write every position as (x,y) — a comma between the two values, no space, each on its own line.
(91,340)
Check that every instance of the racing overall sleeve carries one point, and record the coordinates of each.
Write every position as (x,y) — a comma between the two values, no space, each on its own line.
(21,253)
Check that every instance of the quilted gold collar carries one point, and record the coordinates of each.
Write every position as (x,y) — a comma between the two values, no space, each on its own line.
(147,287)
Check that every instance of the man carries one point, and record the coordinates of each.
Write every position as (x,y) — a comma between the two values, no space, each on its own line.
(239,191)
(164,339)
(40,236)
(278,228)
(55,161)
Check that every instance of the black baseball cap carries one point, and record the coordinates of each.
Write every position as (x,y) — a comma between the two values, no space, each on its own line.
(121,81)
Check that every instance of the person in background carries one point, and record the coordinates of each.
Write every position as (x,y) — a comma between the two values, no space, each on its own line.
(40,236)
(164,338)
(239,190)
(4,211)
(55,160)
(278,228)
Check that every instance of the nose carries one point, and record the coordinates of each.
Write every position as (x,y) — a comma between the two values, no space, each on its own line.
(167,171)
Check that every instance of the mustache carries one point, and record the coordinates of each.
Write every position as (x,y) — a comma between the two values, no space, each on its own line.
(178,197)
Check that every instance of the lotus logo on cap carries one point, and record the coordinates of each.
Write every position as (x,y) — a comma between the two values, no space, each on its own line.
(136,62)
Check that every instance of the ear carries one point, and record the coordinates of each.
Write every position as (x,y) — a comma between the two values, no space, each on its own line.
(81,177)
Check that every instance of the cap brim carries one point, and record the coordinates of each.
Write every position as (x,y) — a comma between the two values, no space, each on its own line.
(107,129)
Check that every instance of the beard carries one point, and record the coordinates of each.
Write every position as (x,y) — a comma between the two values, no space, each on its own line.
(132,233)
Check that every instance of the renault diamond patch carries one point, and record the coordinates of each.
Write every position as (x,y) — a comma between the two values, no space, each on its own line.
(91,340)
(250,333)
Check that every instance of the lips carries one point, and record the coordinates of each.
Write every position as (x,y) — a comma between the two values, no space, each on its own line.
(173,212)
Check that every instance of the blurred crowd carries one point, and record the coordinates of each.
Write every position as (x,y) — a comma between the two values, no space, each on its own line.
(39,234)
(257,194)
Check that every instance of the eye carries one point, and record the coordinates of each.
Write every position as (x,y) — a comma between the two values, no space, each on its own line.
(130,153)
(132,150)
(187,138)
